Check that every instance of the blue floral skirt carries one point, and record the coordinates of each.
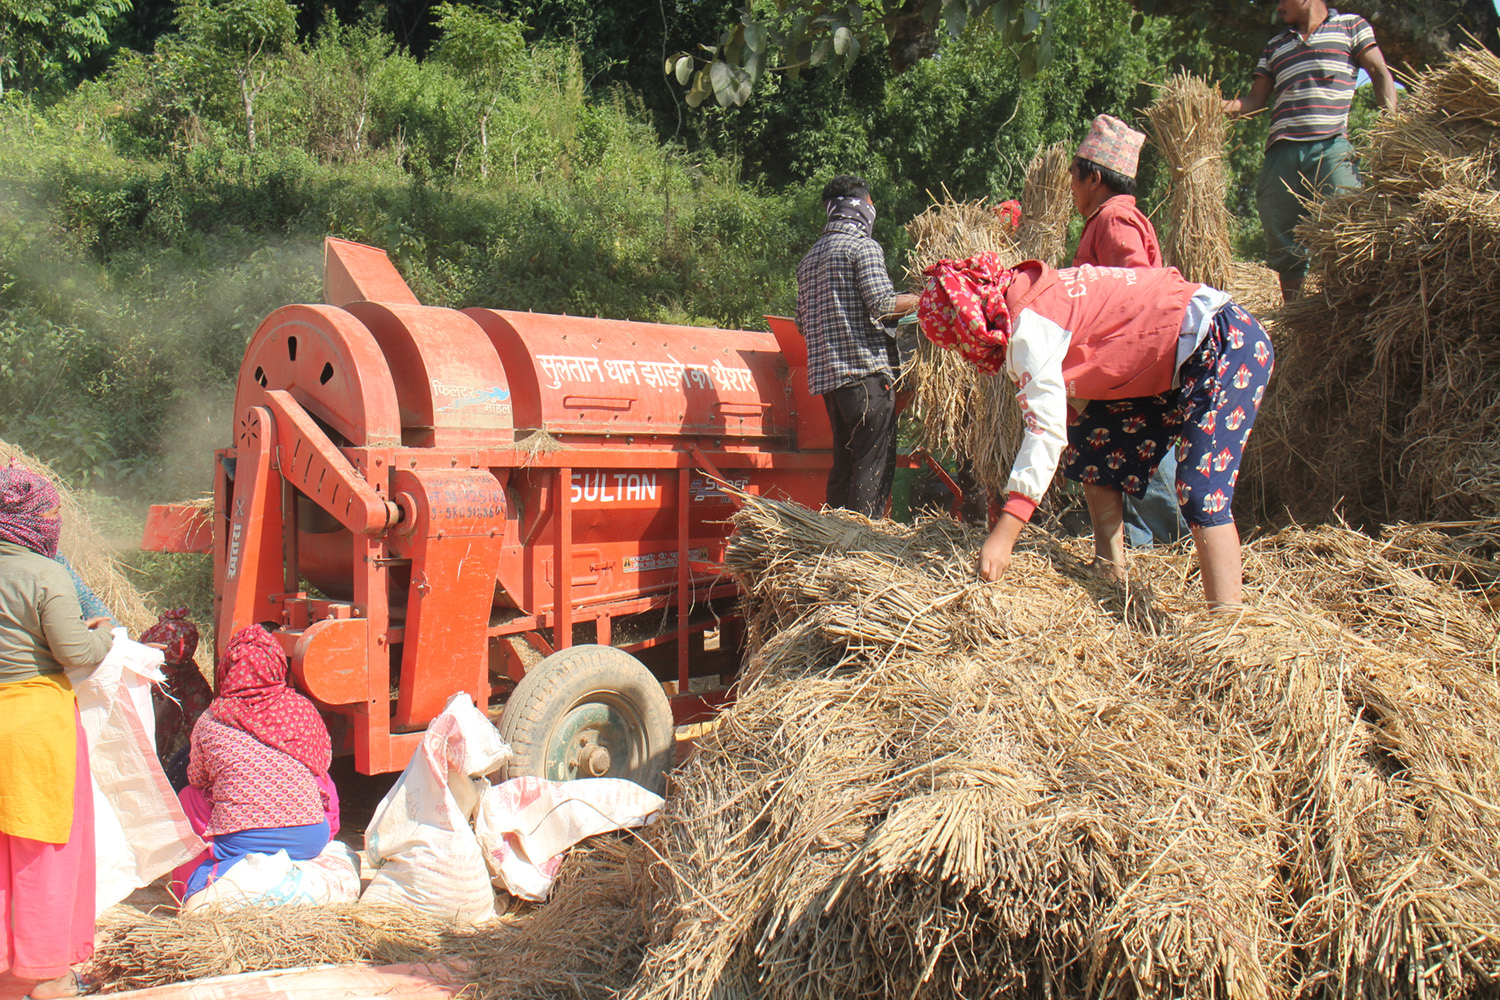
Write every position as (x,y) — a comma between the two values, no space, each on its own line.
(1119,443)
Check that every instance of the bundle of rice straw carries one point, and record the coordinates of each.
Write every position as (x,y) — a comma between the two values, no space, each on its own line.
(1046,205)
(1257,288)
(1188,125)
(950,396)
(1388,390)
(585,942)
(88,552)
(932,788)
(963,414)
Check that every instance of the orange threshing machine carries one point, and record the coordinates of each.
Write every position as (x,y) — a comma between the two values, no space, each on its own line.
(430,500)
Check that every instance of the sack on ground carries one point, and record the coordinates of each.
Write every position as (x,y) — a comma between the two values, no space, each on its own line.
(277,880)
(426,854)
(526,825)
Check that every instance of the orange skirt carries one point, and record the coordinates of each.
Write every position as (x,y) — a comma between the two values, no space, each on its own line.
(38,758)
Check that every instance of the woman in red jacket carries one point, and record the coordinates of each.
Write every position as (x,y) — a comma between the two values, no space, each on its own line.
(1179,364)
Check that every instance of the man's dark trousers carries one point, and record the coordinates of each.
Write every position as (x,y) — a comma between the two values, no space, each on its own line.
(863,415)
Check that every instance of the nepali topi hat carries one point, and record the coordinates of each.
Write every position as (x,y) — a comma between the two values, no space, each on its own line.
(1113,145)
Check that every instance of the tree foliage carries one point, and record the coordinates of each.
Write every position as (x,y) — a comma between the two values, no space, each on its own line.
(38,38)
(793,35)
(480,46)
(238,37)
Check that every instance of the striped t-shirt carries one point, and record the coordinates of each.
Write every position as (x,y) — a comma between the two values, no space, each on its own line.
(1313,79)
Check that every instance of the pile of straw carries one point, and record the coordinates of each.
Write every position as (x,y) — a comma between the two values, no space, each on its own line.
(1188,125)
(88,552)
(932,788)
(963,414)
(1389,369)
(585,942)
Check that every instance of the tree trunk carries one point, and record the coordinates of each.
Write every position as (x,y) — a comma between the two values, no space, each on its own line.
(912,38)
(484,145)
(248,96)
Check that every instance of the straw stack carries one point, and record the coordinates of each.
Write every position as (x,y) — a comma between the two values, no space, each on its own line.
(88,553)
(963,414)
(1046,205)
(1188,125)
(1389,368)
(932,788)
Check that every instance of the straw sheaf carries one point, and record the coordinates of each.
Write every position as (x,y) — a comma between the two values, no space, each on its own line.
(963,414)
(1188,125)
(90,555)
(1257,288)
(936,788)
(1046,205)
(1393,410)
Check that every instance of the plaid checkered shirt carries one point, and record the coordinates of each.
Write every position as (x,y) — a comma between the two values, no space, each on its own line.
(842,285)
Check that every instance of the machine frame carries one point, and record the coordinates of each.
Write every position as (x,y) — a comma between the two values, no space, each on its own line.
(421,504)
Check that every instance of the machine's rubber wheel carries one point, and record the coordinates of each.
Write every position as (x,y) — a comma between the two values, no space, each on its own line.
(590,712)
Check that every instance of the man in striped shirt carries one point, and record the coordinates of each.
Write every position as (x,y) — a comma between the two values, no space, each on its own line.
(1307,74)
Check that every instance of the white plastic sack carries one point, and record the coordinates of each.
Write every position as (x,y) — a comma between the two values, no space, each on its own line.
(526,825)
(426,854)
(277,880)
(140,830)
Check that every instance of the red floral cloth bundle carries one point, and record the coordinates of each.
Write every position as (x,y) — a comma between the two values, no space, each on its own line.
(963,307)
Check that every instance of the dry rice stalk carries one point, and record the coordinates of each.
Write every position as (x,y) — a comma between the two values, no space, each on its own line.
(158,950)
(1046,205)
(1466,87)
(1256,287)
(1187,123)
(583,943)
(90,555)
(932,788)
(962,413)
(954,230)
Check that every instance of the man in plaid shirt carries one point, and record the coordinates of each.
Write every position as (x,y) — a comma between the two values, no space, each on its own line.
(843,293)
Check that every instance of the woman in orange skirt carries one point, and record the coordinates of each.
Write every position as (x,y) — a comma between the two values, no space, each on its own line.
(46,796)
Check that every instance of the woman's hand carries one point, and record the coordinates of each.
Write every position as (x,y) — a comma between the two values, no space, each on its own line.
(994,554)
(994,558)
(93,623)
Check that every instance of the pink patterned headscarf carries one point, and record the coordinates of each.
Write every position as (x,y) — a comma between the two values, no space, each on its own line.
(25,499)
(963,306)
(253,695)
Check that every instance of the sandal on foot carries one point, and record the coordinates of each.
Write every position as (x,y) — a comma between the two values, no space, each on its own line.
(72,984)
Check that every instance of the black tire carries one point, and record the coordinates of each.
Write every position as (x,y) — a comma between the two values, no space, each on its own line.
(582,700)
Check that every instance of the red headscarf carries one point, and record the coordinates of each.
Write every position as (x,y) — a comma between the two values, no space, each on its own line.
(25,497)
(253,695)
(177,633)
(963,306)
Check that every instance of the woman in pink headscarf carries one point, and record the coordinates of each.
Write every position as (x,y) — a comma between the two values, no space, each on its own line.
(46,797)
(258,770)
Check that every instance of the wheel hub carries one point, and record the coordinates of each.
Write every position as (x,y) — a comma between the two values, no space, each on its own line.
(593,741)
(593,760)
